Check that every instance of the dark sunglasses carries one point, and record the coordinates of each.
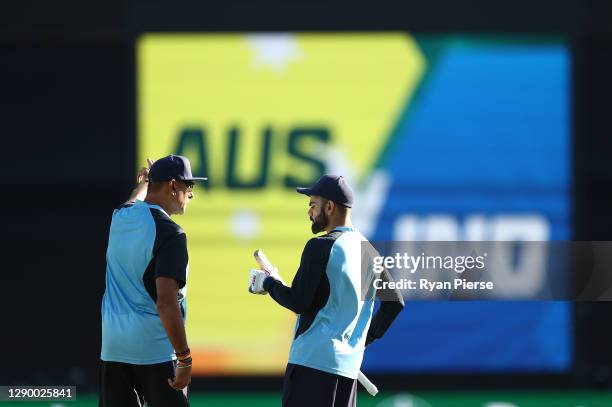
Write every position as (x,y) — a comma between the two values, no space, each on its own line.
(188,184)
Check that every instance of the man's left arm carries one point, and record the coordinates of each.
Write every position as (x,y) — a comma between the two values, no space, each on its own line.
(140,191)
(300,296)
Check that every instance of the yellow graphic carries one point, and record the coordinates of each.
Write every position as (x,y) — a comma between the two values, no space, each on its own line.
(289,105)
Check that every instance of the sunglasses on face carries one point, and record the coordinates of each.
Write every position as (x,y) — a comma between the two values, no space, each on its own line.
(188,185)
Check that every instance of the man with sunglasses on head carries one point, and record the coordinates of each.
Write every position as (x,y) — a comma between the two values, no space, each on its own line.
(145,355)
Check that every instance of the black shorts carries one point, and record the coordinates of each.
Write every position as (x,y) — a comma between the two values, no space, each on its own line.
(307,387)
(127,385)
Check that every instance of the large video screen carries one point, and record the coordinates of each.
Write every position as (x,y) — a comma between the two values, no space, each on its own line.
(443,137)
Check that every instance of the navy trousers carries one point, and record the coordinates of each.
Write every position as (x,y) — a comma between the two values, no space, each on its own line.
(127,385)
(307,387)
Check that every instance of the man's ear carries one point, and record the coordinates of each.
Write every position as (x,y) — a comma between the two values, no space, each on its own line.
(330,205)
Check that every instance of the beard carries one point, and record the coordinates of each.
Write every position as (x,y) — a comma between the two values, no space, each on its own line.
(319,223)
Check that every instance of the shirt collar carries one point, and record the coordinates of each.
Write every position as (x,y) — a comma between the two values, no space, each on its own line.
(150,205)
(345,229)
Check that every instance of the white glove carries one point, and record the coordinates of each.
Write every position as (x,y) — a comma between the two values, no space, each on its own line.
(256,279)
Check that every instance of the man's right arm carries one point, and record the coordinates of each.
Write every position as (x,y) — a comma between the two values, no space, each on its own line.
(170,313)
(170,275)
(390,307)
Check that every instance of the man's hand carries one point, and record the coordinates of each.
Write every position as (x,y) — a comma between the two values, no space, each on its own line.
(256,279)
(142,183)
(182,378)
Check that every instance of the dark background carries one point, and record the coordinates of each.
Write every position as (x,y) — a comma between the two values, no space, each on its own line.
(67,91)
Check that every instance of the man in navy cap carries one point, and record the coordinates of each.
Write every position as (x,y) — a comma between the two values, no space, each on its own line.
(333,325)
(145,356)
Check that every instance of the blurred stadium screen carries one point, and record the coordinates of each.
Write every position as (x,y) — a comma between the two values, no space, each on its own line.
(448,137)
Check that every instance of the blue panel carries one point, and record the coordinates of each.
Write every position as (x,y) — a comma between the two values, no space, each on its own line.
(488,134)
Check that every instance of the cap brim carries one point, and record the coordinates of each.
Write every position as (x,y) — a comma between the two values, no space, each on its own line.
(305,191)
(196,179)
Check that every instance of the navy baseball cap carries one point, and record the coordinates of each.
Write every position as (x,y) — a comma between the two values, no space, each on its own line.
(332,187)
(172,167)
